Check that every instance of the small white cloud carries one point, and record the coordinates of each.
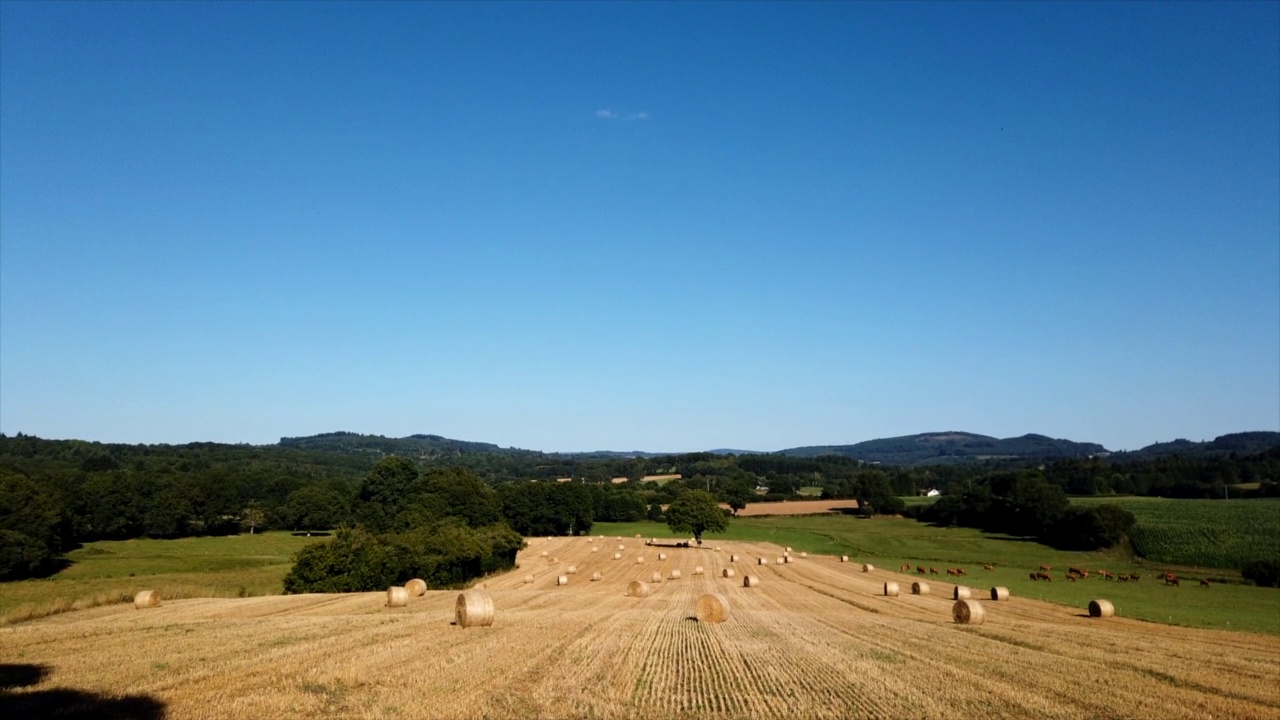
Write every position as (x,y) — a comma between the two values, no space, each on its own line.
(637,116)
(607,114)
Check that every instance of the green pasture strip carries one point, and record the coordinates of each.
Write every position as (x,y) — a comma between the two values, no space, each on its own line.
(889,542)
(112,571)
(1200,533)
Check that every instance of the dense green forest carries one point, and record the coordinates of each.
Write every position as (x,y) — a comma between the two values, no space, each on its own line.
(57,493)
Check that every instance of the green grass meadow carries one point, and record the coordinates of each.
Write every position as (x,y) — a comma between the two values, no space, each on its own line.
(889,542)
(112,571)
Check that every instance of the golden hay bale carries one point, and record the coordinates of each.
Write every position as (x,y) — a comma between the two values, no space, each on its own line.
(596,576)
(675,575)
(595,549)
(712,608)
(697,570)
(968,612)
(562,580)
(717,548)
(662,556)
(544,553)
(788,549)
(729,572)
(617,556)
(891,589)
(762,561)
(638,589)
(473,608)
(417,587)
(782,561)
(622,547)
(919,588)
(844,558)
(961,593)
(750,581)
(999,593)
(528,579)
(571,570)
(655,577)
(640,560)
(868,568)
(804,554)
(637,534)
(733,558)
(147,599)
(1101,609)
(397,596)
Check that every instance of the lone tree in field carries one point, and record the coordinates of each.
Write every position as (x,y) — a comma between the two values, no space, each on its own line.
(696,511)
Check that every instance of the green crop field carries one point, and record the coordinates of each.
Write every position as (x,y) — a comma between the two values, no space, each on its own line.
(1201,533)
(112,571)
(889,542)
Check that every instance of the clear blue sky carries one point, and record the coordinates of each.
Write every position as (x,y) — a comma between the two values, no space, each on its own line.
(645,226)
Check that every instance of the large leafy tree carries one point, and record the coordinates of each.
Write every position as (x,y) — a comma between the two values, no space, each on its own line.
(697,512)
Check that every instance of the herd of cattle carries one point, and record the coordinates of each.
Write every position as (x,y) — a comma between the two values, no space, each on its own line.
(1073,574)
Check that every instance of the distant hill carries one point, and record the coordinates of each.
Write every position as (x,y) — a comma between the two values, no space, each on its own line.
(1242,444)
(432,446)
(950,448)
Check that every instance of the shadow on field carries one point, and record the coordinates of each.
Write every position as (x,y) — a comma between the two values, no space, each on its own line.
(67,704)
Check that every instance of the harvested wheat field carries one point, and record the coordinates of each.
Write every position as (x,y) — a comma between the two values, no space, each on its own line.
(816,639)
(794,507)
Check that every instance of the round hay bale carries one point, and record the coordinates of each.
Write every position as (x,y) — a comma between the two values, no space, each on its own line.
(638,589)
(968,612)
(868,568)
(697,570)
(844,558)
(961,593)
(656,577)
(1101,609)
(999,593)
(640,560)
(675,575)
(544,553)
(733,558)
(638,535)
(417,587)
(788,549)
(474,608)
(596,576)
(804,554)
(891,589)
(595,549)
(717,548)
(919,588)
(662,556)
(622,547)
(617,556)
(562,580)
(571,570)
(750,581)
(784,560)
(729,572)
(762,561)
(146,599)
(397,596)
(712,608)
(528,579)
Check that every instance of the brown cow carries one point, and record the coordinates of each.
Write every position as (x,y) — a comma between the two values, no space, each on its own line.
(1204,583)
(1171,579)
(1033,575)
(905,568)
(933,571)
(920,569)
(952,571)
(987,567)
(1046,568)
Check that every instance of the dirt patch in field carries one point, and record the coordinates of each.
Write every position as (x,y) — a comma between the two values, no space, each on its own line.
(795,507)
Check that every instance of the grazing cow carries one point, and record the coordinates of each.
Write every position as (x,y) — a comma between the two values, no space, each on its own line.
(920,569)
(1046,568)
(1135,576)
(1204,583)
(933,571)
(1072,577)
(987,567)
(905,568)
(952,571)
(1078,571)
(1106,575)
(1171,579)
(960,571)
(1045,576)
(1034,575)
